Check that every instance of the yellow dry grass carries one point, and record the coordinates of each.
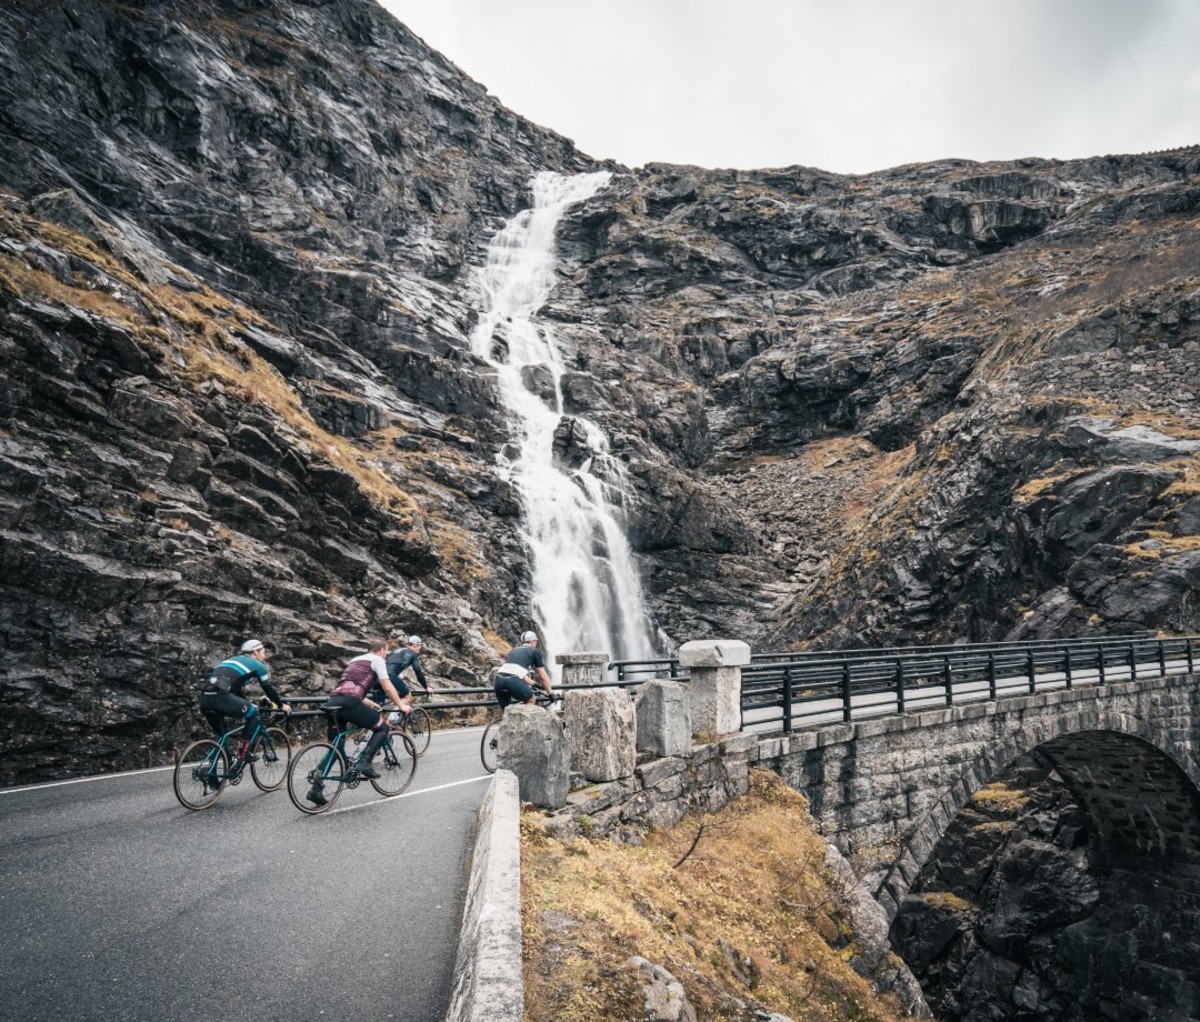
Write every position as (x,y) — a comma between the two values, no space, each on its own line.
(750,915)
(1001,797)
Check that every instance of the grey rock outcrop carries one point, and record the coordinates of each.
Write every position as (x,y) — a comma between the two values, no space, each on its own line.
(1015,920)
(666,1000)
(239,246)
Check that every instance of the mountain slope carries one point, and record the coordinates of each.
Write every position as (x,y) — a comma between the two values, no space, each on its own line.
(239,253)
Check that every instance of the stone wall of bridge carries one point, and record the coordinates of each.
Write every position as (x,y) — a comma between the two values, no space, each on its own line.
(885,790)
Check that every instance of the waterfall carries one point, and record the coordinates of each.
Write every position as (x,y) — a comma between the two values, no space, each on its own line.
(586,594)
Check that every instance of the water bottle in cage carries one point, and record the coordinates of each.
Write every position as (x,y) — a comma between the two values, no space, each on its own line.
(356,749)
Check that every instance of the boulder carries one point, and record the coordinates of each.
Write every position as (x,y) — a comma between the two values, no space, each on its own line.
(666,1000)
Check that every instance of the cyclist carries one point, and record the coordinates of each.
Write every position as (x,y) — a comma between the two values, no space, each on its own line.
(221,695)
(511,683)
(400,660)
(362,674)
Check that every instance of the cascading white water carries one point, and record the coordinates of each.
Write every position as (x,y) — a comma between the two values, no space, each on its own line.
(587,594)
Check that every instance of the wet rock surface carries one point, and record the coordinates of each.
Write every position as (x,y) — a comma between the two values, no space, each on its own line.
(1018,917)
(239,246)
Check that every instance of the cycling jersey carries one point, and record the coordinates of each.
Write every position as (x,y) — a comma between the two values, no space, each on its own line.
(230,677)
(521,660)
(360,674)
(400,660)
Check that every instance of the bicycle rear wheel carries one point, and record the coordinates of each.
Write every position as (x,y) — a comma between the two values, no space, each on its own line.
(200,774)
(397,766)
(274,754)
(315,777)
(418,725)
(487,747)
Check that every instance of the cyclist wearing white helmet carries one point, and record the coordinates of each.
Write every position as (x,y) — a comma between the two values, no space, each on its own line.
(222,696)
(511,683)
(401,659)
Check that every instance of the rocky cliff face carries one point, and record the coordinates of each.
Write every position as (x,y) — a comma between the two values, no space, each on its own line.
(1015,919)
(238,252)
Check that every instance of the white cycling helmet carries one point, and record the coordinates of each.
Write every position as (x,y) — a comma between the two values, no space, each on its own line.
(529,637)
(250,645)
(415,640)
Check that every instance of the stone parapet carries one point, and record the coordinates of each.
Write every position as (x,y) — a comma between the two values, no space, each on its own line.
(531,743)
(487,970)
(582,668)
(664,718)
(601,733)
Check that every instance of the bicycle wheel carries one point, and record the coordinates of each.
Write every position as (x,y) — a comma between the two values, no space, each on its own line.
(200,774)
(487,747)
(397,765)
(315,777)
(274,755)
(418,725)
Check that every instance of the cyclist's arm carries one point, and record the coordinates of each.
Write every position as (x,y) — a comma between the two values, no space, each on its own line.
(416,666)
(544,678)
(272,693)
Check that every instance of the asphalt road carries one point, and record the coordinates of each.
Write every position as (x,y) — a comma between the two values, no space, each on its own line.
(118,904)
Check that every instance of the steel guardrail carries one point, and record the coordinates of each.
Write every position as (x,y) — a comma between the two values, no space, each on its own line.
(796,689)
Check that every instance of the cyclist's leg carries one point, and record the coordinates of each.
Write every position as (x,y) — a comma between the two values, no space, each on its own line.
(209,711)
(250,720)
(360,714)
(403,691)
(511,689)
(218,705)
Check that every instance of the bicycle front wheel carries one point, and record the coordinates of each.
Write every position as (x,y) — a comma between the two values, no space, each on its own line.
(418,725)
(315,777)
(274,754)
(397,765)
(200,774)
(488,746)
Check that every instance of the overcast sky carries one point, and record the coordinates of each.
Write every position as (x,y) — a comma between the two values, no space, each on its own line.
(844,85)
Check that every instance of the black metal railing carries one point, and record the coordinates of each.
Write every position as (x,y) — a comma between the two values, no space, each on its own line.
(791,690)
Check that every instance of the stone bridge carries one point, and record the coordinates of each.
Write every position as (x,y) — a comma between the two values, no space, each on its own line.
(886,789)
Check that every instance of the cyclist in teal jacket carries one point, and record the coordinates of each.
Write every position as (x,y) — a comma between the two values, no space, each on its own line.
(221,695)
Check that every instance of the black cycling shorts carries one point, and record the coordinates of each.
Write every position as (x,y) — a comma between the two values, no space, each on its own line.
(511,689)
(352,711)
(216,706)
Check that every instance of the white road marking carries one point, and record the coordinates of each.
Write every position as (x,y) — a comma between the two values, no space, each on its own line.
(408,794)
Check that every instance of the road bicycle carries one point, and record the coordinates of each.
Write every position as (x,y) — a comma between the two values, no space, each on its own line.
(490,742)
(417,723)
(206,768)
(320,770)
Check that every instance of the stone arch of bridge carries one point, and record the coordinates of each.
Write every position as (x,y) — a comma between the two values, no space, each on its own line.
(1140,787)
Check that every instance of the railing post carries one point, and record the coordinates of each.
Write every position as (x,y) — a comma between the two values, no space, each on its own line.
(787,700)
(1132,663)
(1191,659)
(715,673)
(847,714)
(899,686)
(1032,668)
(991,675)
(1068,667)
(1162,659)
(584,668)
(1101,665)
(948,678)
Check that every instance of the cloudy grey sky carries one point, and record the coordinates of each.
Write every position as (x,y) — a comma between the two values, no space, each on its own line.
(844,85)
